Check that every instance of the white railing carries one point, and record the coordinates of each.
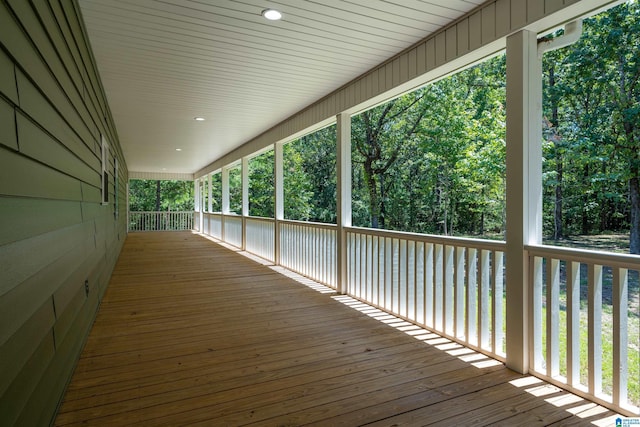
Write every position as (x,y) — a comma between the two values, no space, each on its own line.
(582,302)
(451,285)
(197,221)
(205,223)
(586,323)
(160,221)
(310,249)
(233,230)
(213,223)
(260,238)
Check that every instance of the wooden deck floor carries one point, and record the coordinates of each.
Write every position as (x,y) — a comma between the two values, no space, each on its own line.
(193,333)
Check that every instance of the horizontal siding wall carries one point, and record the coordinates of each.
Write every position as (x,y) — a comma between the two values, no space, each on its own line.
(56,235)
(473,37)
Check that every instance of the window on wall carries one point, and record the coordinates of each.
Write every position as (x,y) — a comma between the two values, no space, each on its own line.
(105,170)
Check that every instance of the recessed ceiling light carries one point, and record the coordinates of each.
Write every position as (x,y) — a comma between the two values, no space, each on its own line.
(199,119)
(178,149)
(272,14)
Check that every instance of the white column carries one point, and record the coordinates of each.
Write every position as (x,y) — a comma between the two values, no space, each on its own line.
(524,187)
(225,200)
(343,190)
(278,182)
(210,185)
(245,200)
(245,186)
(225,191)
(196,196)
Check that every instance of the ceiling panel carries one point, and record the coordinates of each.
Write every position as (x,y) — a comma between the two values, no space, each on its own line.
(164,62)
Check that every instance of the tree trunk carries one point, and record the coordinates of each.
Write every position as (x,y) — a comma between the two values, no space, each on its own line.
(374,205)
(557,216)
(584,229)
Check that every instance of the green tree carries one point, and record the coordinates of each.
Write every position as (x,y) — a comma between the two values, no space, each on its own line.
(261,186)
(433,160)
(235,189)
(592,137)
(153,195)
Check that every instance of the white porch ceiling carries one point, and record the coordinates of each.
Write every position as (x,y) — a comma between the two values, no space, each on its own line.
(164,62)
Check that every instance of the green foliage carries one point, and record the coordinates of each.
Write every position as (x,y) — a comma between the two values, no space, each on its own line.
(592,129)
(315,156)
(235,189)
(309,168)
(153,196)
(432,161)
(216,192)
(261,186)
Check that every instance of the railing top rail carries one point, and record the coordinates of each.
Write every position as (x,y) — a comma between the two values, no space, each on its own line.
(233,216)
(309,224)
(609,259)
(260,218)
(498,245)
(161,212)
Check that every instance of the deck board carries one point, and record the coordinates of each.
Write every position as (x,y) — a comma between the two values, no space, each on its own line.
(193,333)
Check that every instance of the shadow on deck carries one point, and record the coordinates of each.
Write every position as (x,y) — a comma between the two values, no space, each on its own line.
(192,332)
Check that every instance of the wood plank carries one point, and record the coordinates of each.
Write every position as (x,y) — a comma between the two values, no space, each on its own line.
(17,350)
(43,30)
(32,217)
(21,176)
(441,48)
(17,262)
(190,332)
(462,37)
(503,17)
(9,136)
(19,304)
(46,397)
(475,30)
(8,82)
(488,23)
(37,144)
(12,401)
(34,104)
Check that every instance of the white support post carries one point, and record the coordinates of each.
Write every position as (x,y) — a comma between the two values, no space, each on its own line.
(225,191)
(524,187)
(278,181)
(245,186)
(210,186)
(620,335)
(196,196)
(343,190)
(196,203)
(225,200)
(245,199)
